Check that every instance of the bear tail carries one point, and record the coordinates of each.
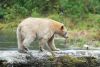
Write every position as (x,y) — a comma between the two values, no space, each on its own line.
(19,37)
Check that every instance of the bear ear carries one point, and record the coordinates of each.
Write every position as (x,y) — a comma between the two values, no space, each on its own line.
(62,27)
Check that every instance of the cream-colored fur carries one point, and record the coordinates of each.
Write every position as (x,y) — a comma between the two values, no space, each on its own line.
(42,28)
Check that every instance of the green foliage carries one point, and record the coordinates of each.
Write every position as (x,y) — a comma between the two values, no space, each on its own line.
(94,6)
(35,13)
(10,14)
(1,12)
(56,17)
(75,9)
(1,26)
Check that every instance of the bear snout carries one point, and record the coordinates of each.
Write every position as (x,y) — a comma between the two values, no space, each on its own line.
(65,35)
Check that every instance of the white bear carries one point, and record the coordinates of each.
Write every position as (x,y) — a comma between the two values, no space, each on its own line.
(42,29)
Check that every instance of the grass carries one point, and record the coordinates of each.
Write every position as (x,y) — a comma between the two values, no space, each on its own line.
(86,31)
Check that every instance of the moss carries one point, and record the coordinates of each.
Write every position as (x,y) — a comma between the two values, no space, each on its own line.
(1,26)
(62,61)
(51,58)
(71,61)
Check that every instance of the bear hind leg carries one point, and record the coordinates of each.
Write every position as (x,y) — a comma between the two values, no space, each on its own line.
(26,42)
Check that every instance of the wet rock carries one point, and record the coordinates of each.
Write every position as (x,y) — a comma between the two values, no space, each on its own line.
(71,58)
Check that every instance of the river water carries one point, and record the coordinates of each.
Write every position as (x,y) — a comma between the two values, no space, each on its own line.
(8,41)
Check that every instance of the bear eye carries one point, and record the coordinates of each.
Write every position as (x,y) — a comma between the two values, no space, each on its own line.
(62,27)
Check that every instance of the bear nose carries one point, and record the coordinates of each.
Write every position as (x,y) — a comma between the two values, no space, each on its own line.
(65,35)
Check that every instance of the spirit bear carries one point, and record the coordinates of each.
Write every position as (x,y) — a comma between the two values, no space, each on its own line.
(42,29)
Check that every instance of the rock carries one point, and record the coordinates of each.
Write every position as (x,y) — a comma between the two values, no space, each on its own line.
(37,58)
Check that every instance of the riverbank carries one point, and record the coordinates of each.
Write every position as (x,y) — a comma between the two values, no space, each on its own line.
(69,58)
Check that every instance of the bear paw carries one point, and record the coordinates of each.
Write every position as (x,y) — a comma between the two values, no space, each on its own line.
(57,49)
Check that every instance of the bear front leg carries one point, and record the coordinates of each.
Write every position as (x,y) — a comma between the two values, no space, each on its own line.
(23,49)
(41,44)
(52,45)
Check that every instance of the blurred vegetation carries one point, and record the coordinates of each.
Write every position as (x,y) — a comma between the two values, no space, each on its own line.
(69,12)
(81,17)
(74,9)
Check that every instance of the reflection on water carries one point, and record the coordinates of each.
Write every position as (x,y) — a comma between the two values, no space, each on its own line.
(8,41)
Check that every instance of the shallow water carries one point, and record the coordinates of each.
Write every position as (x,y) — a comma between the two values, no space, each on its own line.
(8,41)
